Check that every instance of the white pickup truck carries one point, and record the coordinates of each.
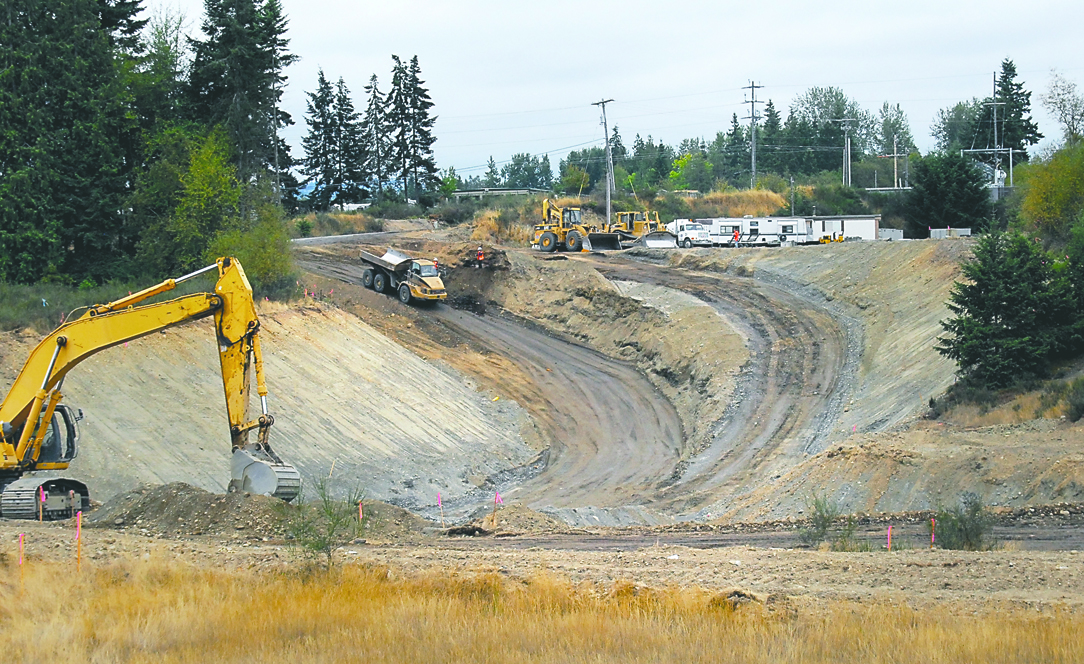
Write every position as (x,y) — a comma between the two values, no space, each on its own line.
(689,233)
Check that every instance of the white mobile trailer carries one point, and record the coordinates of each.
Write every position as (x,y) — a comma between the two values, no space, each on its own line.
(847,226)
(689,233)
(759,231)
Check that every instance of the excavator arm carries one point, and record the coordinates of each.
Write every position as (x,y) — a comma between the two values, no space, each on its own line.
(27,413)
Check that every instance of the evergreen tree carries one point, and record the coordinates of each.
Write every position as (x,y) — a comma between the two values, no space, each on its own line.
(1011,313)
(493,176)
(118,20)
(319,164)
(63,112)
(398,115)
(948,192)
(349,148)
(1015,128)
(236,80)
(412,129)
(376,139)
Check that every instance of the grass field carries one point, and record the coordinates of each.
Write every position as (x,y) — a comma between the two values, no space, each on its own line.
(146,612)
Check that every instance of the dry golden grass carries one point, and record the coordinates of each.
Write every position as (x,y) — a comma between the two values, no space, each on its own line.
(490,229)
(150,613)
(755,202)
(1022,408)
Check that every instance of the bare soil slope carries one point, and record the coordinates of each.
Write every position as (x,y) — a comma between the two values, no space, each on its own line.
(399,427)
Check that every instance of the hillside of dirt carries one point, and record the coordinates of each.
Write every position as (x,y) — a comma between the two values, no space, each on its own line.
(399,427)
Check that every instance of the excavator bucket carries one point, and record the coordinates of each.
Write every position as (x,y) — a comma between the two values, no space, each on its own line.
(658,240)
(256,471)
(603,242)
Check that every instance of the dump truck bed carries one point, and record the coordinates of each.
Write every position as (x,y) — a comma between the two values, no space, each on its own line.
(392,260)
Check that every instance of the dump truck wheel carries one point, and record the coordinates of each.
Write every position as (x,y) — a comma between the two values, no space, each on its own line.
(404,294)
(573,241)
(367,278)
(548,242)
(380,282)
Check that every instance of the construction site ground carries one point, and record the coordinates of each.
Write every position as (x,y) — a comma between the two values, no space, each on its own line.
(659,416)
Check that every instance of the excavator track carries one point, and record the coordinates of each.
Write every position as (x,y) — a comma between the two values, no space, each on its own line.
(63,498)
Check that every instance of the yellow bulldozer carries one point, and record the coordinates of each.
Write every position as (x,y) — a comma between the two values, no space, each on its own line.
(564,228)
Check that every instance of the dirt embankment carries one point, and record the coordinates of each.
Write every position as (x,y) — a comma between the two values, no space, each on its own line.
(897,290)
(929,466)
(687,350)
(342,393)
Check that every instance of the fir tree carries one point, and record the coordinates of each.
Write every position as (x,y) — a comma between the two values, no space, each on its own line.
(236,80)
(63,176)
(398,119)
(349,148)
(1011,313)
(1015,128)
(375,138)
(493,175)
(423,166)
(319,145)
(118,20)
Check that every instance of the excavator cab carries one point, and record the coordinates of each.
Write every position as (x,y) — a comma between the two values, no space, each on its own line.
(61,442)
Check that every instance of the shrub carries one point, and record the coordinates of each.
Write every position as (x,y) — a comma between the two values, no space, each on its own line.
(304,227)
(823,512)
(322,527)
(1075,399)
(966,526)
(264,252)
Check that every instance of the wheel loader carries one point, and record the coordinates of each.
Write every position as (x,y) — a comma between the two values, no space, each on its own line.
(38,433)
(564,228)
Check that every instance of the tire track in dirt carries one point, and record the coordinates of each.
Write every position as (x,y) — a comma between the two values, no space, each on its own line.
(615,434)
(791,392)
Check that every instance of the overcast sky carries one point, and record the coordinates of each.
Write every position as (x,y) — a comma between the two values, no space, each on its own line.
(511,77)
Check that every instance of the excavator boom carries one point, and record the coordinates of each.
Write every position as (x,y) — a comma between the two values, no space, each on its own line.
(38,433)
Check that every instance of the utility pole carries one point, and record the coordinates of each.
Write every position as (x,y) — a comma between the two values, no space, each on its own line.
(895,162)
(609,158)
(792,195)
(753,117)
(846,148)
(997,145)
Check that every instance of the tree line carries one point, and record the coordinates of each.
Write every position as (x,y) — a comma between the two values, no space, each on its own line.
(130,150)
(386,151)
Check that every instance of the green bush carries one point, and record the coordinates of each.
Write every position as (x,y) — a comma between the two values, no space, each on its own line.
(264,252)
(322,527)
(1075,398)
(823,512)
(304,227)
(966,526)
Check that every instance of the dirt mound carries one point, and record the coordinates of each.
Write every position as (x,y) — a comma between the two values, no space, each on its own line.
(520,519)
(388,522)
(178,509)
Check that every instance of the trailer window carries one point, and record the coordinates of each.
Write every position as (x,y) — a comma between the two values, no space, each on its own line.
(788,229)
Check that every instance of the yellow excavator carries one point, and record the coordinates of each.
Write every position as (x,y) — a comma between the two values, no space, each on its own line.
(564,227)
(38,433)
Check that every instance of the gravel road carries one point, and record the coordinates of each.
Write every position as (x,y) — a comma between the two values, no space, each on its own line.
(615,436)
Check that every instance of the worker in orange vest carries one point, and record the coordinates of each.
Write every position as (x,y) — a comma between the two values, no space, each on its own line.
(481,256)
(736,236)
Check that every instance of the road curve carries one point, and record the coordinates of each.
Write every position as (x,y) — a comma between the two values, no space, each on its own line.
(792,391)
(615,434)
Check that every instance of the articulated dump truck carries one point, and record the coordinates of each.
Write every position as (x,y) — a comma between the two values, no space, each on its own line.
(410,278)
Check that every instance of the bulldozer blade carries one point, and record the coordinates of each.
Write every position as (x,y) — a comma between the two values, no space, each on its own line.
(603,242)
(255,471)
(659,240)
